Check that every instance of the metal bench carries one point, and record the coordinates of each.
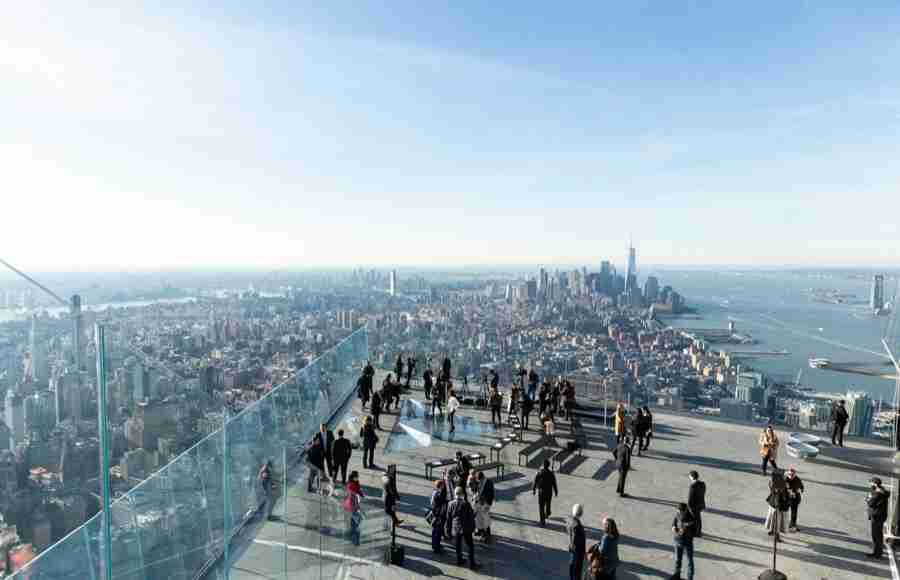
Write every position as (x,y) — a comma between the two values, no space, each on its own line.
(500,445)
(560,457)
(537,445)
(498,465)
(432,464)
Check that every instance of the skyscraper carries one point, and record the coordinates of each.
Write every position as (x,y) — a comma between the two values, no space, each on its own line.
(393,283)
(632,292)
(859,407)
(877,300)
(651,289)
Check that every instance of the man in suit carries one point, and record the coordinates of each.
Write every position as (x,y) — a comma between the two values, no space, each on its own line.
(545,487)
(877,508)
(460,522)
(622,455)
(340,456)
(795,495)
(315,459)
(326,440)
(576,543)
(697,502)
(839,417)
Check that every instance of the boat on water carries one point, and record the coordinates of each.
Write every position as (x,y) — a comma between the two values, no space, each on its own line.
(819,363)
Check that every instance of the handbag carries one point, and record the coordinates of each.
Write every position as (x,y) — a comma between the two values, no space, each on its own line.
(429,516)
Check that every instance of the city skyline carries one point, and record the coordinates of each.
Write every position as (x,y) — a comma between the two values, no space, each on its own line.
(464,136)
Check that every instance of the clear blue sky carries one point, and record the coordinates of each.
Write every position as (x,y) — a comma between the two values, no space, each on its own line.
(329,133)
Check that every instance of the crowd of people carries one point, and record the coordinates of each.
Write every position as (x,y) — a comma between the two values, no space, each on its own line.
(462,498)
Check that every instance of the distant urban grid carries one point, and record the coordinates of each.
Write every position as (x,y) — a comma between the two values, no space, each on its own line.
(184,357)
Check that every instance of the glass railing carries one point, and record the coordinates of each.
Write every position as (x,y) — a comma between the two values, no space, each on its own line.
(182,520)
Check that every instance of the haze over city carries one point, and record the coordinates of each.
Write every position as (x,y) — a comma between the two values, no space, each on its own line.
(308,134)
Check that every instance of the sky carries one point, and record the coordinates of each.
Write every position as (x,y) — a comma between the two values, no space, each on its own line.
(303,134)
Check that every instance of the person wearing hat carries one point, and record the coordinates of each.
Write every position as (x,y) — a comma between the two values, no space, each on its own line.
(877,508)
(795,493)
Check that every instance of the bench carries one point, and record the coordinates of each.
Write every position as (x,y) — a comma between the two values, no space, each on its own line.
(432,464)
(498,465)
(500,445)
(560,457)
(537,445)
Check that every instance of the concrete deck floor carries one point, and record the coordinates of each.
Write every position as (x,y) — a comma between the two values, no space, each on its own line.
(831,544)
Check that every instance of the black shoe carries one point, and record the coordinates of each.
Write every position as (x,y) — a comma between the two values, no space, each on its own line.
(460,562)
(699,536)
(874,556)
(475,566)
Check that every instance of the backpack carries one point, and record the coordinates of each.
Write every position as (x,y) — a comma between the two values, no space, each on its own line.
(595,563)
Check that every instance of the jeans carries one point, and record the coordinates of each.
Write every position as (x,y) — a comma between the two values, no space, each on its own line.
(794,506)
(368,456)
(495,412)
(436,404)
(576,563)
(532,389)
(355,518)
(681,550)
(452,424)
(315,475)
(766,460)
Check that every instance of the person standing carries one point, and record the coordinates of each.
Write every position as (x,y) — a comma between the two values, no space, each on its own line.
(514,394)
(326,440)
(795,494)
(341,453)
(376,409)
(438,515)
(768,448)
(648,417)
(387,393)
(410,369)
(622,455)
(369,441)
(532,384)
(390,497)
(369,374)
(555,396)
(461,524)
(609,548)
(778,505)
(839,418)
(363,386)
(527,406)
(266,479)
(495,379)
(543,397)
(619,424)
(576,543)
(398,367)
(545,487)
(683,531)
(428,381)
(569,397)
(446,367)
(637,434)
(452,405)
(486,502)
(437,397)
(697,502)
(877,504)
(315,461)
(495,400)
(352,505)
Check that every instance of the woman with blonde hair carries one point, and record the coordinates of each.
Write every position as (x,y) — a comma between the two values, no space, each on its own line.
(620,422)
(768,447)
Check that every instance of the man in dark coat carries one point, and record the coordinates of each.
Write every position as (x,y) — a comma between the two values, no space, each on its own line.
(697,502)
(398,367)
(839,418)
(445,368)
(326,440)
(461,525)
(410,369)
(428,381)
(545,487)
(877,508)
(795,495)
(376,409)
(315,458)
(340,456)
(527,407)
(622,455)
(576,543)
(485,498)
